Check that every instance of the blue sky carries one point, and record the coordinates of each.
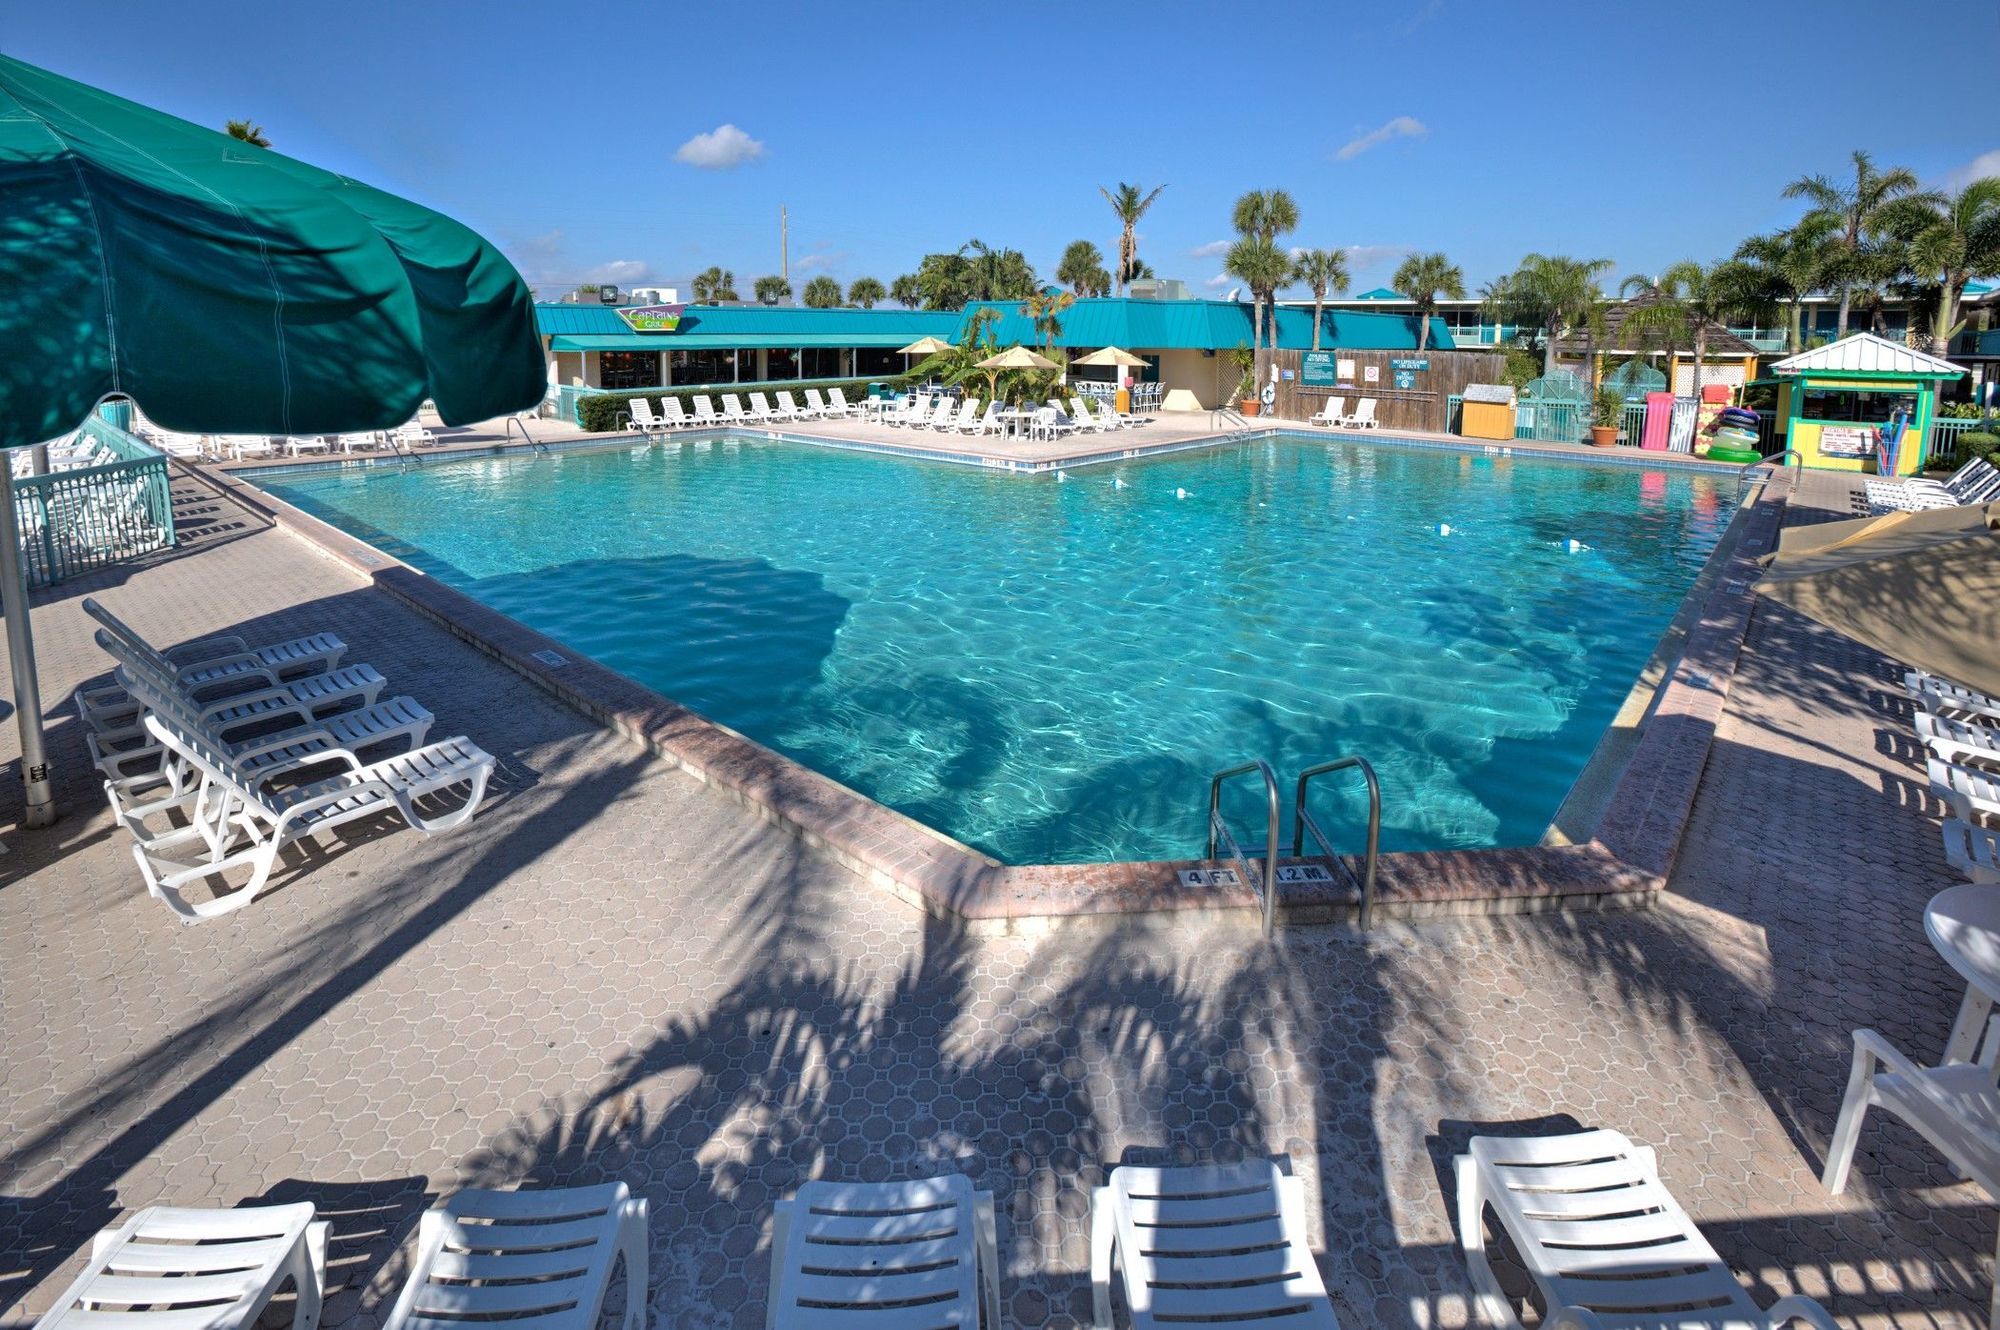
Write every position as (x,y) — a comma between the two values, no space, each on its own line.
(642,142)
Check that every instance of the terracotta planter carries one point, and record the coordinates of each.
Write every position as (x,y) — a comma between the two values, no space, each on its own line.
(1603,436)
(1249,406)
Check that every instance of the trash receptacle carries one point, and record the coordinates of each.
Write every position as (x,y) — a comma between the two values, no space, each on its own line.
(1487,411)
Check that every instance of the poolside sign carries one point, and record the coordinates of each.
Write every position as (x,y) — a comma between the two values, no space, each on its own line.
(1316,369)
(1407,369)
(653,318)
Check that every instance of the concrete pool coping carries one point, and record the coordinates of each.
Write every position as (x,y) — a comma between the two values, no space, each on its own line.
(1625,863)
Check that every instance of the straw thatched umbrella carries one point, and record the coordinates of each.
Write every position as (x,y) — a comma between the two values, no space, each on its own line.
(1922,588)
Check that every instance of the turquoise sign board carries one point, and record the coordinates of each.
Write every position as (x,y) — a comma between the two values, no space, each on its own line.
(1316,369)
(1412,363)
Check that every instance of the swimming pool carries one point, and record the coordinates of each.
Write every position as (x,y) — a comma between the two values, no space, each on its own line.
(1049,671)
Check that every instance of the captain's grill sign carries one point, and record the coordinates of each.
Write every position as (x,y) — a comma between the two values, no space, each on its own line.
(653,318)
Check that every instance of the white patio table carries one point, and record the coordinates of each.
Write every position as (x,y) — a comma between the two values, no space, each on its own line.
(1963,923)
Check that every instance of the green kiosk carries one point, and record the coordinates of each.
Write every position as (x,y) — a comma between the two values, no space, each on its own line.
(1861,404)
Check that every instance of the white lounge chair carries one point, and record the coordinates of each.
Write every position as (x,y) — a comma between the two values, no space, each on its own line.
(1975,482)
(821,406)
(642,418)
(1332,413)
(1973,851)
(1941,695)
(231,804)
(732,410)
(239,446)
(1085,418)
(175,443)
(790,408)
(413,435)
(990,422)
(213,665)
(538,1258)
(1109,418)
(1956,741)
(838,405)
(673,415)
(167,1268)
(365,441)
(1220,1245)
(1602,1238)
(920,411)
(955,415)
(761,408)
(1955,1107)
(903,1255)
(300,444)
(1363,417)
(704,411)
(1972,793)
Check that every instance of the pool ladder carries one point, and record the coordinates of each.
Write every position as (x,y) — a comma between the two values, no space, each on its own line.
(1220,837)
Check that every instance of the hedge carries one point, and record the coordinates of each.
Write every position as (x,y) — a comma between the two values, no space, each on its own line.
(605,413)
(1978,443)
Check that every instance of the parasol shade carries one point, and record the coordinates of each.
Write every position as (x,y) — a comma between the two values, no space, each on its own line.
(1017,357)
(1115,356)
(926,346)
(230,289)
(1922,587)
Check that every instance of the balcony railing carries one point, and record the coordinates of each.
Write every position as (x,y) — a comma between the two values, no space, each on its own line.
(87,517)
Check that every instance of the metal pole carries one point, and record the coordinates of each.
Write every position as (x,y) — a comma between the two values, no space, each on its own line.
(41,803)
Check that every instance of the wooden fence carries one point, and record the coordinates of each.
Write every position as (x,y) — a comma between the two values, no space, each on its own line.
(1421,406)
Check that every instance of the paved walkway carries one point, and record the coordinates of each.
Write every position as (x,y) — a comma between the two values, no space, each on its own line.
(613,972)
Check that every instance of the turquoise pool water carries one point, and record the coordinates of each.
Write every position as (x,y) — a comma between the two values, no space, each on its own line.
(1049,671)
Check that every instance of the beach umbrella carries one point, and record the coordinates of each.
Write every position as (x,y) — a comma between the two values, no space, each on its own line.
(1017,357)
(226,289)
(1114,356)
(1922,588)
(926,346)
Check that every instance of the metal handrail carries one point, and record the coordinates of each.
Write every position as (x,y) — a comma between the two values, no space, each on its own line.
(1744,478)
(1217,828)
(1228,415)
(1302,822)
(527,438)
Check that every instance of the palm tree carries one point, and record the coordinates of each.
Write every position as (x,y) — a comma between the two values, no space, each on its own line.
(1264,268)
(1424,278)
(770,290)
(245,132)
(1130,206)
(822,292)
(1321,270)
(1045,310)
(1793,263)
(998,274)
(907,291)
(1552,294)
(1689,298)
(865,292)
(1857,209)
(1262,215)
(1949,239)
(1082,269)
(714,286)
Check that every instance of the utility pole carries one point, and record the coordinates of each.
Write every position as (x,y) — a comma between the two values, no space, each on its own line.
(784,245)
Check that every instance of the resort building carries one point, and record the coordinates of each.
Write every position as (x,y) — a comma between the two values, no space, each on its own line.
(1184,342)
(1726,357)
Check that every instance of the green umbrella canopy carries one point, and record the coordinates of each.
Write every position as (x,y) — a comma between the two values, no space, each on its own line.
(229,289)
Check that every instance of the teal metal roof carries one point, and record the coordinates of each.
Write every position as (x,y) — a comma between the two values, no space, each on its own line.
(713,327)
(1381,293)
(1209,325)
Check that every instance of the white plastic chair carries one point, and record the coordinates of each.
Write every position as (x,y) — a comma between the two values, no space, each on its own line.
(1973,851)
(541,1259)
(413,435)
(299,444)
(227,662)
(893,1255)
(1332,413)
(1363,417)
(1971,793)
(1955,1107)
(791,409)
(1956,741)
(1222,1245)
(231,804)
(643,420)
(761,408)
(1109,419)
(838,405)
(1603,1239)
(672,414)
(950,421)
(176,1269)
(1935,693)
(366,441)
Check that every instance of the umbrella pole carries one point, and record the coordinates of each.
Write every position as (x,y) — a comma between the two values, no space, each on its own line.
(41,804)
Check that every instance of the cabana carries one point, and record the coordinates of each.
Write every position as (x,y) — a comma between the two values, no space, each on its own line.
(1859,403)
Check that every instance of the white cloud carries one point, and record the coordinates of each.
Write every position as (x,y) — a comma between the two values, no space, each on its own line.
(820,260)
(619,272)
(1402,127)
(1362,257)
(719,149)
(1212,250)
(1218,281)
(1979,168)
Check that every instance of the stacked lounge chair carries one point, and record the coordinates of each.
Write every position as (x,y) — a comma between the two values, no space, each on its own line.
(1978,481)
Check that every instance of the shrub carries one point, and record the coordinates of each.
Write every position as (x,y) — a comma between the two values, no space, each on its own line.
(1608,409)
(1975,443)
(608,412)
(1958,411)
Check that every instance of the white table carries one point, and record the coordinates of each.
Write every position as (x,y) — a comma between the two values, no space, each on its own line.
(1963,923)
(1016,419)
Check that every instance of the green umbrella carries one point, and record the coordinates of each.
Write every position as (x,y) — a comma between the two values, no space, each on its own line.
(227,289)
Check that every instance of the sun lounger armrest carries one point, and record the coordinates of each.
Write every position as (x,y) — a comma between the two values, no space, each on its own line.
(1871,1048)
(1799,1307)
(304,761)
(223,644)
(252,666)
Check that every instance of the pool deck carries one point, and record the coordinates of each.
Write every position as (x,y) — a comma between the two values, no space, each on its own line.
(615,971)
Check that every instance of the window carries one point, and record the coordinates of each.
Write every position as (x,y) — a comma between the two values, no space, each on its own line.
(628,369)
(699,367)
(1846,406)
(820,362)
(781,363)
(874,361)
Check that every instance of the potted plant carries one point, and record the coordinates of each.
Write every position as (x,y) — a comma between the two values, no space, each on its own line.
(1246,384)
(1604,416)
